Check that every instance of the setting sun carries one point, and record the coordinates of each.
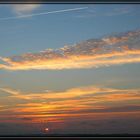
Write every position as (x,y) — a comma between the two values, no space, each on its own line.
(46,129)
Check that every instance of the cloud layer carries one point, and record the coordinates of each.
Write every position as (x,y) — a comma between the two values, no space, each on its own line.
(80,106)
(111,50)
(69,103)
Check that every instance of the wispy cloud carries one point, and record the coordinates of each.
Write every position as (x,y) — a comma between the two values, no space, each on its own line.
(43,13)
(70,93)
(73,102)
(118,11)
(24,8)
(14,93)
(107,51)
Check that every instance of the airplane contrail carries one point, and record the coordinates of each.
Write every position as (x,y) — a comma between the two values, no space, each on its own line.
(44,13)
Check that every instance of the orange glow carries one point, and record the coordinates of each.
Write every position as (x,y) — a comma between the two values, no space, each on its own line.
(76,61)
(69,104)
(46,129)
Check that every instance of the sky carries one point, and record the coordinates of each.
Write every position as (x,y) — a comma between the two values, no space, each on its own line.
(69,69)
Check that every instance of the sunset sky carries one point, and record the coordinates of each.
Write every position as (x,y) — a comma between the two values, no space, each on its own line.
(69,69)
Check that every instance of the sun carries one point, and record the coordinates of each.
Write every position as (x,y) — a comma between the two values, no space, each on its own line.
(46,129)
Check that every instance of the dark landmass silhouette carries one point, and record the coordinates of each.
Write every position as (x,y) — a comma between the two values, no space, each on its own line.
(74,135)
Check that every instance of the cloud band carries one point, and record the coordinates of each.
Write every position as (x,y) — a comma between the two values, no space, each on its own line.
(112,50)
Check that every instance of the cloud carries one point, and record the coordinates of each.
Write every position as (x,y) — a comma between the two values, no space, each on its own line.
(90,101)
(2,107)
(112,50)
(118,11)
(2,66)
(14,93)
(70,93)
(24,8)
(82,97)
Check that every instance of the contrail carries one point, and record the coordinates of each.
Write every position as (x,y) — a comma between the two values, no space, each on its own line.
(44,13)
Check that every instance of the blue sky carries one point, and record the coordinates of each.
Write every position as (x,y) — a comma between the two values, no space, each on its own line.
(37,33)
